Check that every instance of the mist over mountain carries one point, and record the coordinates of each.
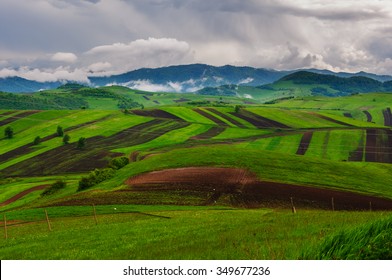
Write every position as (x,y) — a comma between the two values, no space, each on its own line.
(182,78)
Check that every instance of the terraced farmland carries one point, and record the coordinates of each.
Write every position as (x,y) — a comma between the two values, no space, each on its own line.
(258,156)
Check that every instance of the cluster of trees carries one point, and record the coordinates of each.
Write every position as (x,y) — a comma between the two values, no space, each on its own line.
(60,133)
(99,175)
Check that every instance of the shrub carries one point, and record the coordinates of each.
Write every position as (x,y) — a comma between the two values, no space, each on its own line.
(81,143)
(37,140)
(95,177)
(9,132)
(60,131)
(66,139)
(55,187)
(118,162)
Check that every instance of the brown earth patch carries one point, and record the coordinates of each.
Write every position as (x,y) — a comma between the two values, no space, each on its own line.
(4,114)
(348,115)
(226,117)
(378,145)
(212,132)
(181,100)
(16,117)
(368,116)
(245,189)
(156,113)
(28,148)
(387,117)
(22,194)
(257,120)
(211,117)
(156,102)
(145,97)
(304,144)
(330,119)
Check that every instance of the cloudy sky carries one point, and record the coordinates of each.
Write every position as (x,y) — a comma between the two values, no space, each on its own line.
(47,40)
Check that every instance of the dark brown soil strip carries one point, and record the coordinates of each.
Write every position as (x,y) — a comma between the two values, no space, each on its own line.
(156,113)
(368,116)
(226,117)
(156,102)
(210,117)
(145,97)
(348,115)
(257,120)
(28,148)
(181,100)
(387,117)
(67,158)
(4,114)
(371,145)
(304,144)
(22,194)
(212,132)
(331,119)
(245,189)
(357,155)
(16,117)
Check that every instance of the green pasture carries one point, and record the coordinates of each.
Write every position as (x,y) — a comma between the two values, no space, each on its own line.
(173,233)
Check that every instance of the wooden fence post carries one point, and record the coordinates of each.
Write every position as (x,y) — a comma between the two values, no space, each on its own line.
(47,220)
(333,204)
(370,206)
(5,227)
(292,206)
(95,215)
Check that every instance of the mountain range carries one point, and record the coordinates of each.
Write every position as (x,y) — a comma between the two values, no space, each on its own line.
(184,78)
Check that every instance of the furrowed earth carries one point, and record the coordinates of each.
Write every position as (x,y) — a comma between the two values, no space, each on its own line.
(167,173)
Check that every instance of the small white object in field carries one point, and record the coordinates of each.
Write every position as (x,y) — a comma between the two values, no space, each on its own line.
(115,208)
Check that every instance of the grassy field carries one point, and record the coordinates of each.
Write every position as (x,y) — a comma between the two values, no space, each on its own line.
(186,232)
(325,144)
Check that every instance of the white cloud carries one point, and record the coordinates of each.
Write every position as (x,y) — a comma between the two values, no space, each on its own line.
(64,57)
(150,53)
(47,75)
(146,85)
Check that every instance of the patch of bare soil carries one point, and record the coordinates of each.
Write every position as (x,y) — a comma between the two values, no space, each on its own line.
(348,115)
(331,119)
(305,142)
(22,194)
(212,132)
(17,117)
(226,117)
(182,99)
(368,116)
(244,189)
(387,117)
(257,120)
(211,117)
(156,113)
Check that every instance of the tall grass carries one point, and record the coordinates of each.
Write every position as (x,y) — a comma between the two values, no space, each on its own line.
(372,241)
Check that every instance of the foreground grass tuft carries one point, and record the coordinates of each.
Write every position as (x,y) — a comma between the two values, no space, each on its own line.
(372,241)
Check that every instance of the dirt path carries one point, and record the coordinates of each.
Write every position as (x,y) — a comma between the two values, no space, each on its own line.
(246,190)
(22,194)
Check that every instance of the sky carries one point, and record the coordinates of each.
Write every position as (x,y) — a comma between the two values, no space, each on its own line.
(50,40)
